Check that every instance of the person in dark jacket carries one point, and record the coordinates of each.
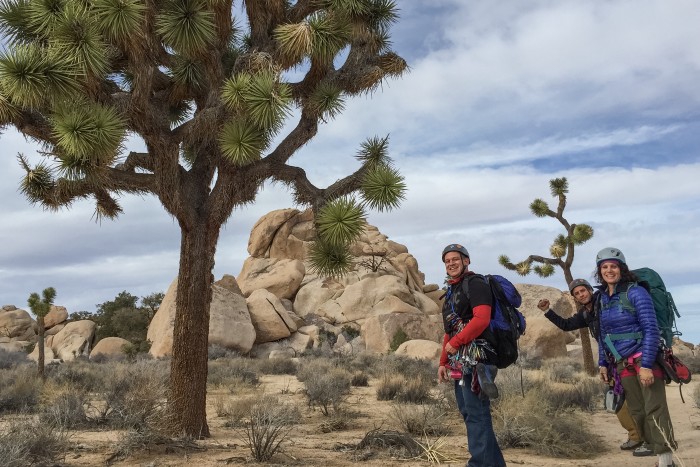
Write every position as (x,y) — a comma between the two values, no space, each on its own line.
(466,320)
(585,316)
(627,347)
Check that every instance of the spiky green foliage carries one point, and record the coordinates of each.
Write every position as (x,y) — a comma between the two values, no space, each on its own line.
(77,36)
(559,187)
(523,268)
(383,188)
(340,221)
(89,131)
(119,20)
(504,260)
(539,207)
(329,35)
(267,101)
(582,233)
(295,42)
(186,25)
(241,142)
(374,152)
(558,248)
(41,306)
(327,100)
(329,260)
(37,183)
(545,270)
(382,14)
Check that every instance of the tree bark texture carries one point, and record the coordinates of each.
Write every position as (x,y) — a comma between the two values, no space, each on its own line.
(188,369)
(40,343)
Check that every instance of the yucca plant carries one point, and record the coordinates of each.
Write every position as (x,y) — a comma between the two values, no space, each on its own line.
(209,99)
(561,251)
(41,306)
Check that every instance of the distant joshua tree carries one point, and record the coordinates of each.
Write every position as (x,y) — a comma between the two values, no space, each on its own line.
(41,307)
(562,252)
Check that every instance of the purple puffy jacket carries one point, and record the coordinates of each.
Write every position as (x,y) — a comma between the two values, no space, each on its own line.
(615,320)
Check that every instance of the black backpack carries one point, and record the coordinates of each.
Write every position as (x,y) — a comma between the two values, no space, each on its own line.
(507,322)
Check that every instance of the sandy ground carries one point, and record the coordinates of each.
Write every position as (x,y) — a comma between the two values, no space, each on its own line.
(307,445)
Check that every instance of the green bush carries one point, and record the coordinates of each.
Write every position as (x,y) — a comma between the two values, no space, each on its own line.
(397,339)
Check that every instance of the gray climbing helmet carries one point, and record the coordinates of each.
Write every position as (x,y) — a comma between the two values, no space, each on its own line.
(609,253)
(576,282)
(454,247)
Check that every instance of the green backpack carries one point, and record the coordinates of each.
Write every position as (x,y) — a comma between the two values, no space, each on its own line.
(665,308)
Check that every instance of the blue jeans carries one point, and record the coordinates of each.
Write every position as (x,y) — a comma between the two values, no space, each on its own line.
(481,439)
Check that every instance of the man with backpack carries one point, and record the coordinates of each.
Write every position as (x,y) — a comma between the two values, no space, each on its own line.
(467,352)
(586,316)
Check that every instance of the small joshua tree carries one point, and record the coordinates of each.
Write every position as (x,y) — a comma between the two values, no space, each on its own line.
(41,307)
(562,252)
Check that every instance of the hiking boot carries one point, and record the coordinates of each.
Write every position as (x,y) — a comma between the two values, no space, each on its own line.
(643,451)
(630,444)
(488,387)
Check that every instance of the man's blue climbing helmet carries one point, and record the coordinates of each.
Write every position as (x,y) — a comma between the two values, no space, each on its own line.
(454,247)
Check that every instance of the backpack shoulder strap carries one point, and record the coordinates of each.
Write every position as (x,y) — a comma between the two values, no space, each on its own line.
(467,279)
(625,300)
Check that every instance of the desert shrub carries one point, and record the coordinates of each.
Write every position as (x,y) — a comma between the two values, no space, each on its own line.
(148,438)
(359,379)
(217,351)
(238,410)
(365,361)
(328,390)
(397,339)
(19,389)
(78,373)
(64,406)
(269,424)
(31,442)
(420,419)
(416,391)
(533,422)
(577,390)
(10,359)
(134,393)
(310,368)
(409,368)
(696,395)
(277,366)
(232,372)
(562,370)
(389,387)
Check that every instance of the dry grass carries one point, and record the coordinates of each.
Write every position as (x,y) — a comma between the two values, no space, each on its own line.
(31,442)
(420,420)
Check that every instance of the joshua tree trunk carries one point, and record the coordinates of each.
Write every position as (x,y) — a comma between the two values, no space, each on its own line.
(40,343)
(586,350)
(188,370)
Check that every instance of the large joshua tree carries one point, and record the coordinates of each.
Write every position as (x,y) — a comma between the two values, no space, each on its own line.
(561,250)
(209,101)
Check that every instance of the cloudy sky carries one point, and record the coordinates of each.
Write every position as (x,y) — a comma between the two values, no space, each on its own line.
(501,97)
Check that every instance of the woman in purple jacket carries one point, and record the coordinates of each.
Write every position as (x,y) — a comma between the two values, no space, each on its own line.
(628,344)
